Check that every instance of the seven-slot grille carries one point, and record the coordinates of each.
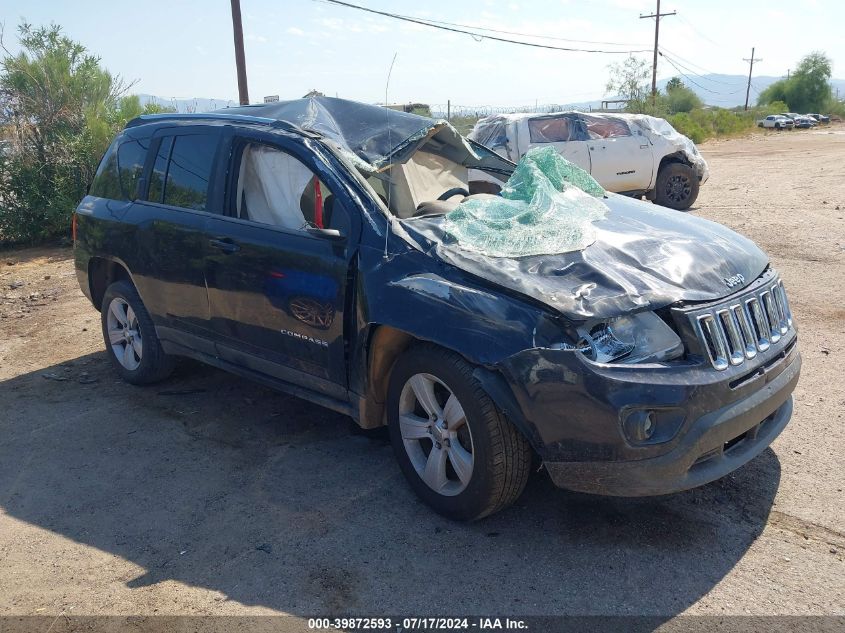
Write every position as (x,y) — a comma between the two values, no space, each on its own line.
(736,330)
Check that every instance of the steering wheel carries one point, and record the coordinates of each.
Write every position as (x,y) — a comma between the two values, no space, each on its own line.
(454,191)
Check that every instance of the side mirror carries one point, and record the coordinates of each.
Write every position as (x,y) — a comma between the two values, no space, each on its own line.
(327,234)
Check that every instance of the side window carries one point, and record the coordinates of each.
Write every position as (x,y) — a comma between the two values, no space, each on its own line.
(189,171)
(120,170)
(276,188)
(549,130)
(182,171)
(605,127)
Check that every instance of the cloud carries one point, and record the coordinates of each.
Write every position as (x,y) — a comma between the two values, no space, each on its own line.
(292,30)
(252,37)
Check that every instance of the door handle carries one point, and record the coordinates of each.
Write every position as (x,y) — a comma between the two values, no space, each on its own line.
(225,244)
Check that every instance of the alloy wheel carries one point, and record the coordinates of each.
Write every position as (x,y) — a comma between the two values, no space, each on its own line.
(435,434)
(124,334)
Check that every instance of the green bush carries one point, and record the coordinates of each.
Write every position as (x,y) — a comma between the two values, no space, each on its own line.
(59,109)
(701,124)
(686,125)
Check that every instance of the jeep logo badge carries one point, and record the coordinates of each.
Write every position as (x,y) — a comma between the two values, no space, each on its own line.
(734,281)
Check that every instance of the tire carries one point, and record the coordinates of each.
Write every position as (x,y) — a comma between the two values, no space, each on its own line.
(128,331)
(469,437)
(677,186)
(777,126)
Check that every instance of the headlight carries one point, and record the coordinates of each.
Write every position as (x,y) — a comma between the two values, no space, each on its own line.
(639,338)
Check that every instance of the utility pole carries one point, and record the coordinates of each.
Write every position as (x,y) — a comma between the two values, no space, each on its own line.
(240,61)
(750,68)
(656,15)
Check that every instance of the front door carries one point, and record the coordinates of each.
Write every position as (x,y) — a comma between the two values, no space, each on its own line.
(278,268)
(621,161)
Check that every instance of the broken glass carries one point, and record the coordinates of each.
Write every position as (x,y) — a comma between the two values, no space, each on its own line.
(547,206)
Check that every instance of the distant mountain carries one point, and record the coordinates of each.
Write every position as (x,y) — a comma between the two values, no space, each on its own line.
(727,91)
(198,104)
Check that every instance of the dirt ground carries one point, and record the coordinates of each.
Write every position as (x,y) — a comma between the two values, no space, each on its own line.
(211,495)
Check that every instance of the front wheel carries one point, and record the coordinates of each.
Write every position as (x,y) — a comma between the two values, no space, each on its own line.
(459,454)
(677,186)
(130,337)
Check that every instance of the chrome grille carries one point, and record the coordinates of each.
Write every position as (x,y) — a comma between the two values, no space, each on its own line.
(736,330)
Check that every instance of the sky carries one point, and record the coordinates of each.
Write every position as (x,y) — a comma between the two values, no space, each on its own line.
(182,49)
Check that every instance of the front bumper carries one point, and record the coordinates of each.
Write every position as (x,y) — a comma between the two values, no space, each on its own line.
(573,412)
(717,444)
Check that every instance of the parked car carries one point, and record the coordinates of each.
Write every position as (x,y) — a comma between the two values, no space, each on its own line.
(804,122)
(821,118)
(310,245)
(632,154)
(777,122)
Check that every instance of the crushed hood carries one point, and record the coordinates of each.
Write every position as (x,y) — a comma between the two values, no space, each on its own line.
(644,257)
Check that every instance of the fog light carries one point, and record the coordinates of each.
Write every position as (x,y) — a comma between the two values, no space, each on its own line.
(651,425)
(640,425)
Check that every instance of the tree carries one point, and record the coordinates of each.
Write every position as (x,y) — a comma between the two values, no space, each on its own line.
(774,92)
(629,79)
(807,89)
(673,84)
(59,109)
(680,98)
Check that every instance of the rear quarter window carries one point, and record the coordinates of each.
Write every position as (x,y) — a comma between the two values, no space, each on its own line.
(120,170)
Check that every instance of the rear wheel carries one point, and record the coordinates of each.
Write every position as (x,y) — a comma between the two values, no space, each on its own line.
(459,454)
(130,337)
(677,186)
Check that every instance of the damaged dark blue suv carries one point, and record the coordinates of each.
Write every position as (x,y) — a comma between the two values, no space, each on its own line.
(337,251)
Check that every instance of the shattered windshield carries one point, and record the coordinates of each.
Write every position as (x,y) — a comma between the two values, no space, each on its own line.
(547,206)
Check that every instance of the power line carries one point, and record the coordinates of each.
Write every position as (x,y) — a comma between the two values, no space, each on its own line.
(687,65)
(692,72)
(523,34)
(697,32)
(687,77)
(476,35)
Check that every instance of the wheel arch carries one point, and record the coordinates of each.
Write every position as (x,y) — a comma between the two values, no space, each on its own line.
(387,344)
(384,345)
(674,157)
(102,272)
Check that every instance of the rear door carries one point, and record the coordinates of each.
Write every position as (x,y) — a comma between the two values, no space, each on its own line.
(279,261)
(621,159)
(171,217)
(561,131)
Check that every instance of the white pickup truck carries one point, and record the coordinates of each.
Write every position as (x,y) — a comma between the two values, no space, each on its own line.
(777,122)
(632,154)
